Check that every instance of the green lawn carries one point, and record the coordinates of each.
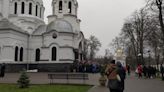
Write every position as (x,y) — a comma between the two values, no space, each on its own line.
(44,88)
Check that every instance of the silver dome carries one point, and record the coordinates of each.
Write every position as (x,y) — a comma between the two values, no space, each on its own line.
(60,26)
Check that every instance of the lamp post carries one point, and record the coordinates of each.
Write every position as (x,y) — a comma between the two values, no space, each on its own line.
(139,56)
(149,56)
(158,56)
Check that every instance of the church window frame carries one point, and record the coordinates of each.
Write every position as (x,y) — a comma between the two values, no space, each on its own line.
(15,8)
(16,53)
(36,11)
(22,7)
(54,53)
(37,55)
(21,54)
(30,8)
(60,6)
(69,7)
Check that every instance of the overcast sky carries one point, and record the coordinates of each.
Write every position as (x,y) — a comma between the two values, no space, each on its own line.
(102,18)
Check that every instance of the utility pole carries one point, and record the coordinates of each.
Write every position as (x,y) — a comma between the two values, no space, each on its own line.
(149,56)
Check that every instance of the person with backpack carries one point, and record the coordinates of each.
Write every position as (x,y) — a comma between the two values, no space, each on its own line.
(115,77)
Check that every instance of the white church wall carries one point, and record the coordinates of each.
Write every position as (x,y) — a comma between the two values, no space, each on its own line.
(73,9)
(48,40)
(51,18)
(5,8)
(9,41)
(45,54)
(20,40)
(8,53)
(0,6)
(66,41)
(66,53)
(61,40)
(35,43)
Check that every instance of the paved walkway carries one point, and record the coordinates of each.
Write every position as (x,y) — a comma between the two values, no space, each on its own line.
(132,84)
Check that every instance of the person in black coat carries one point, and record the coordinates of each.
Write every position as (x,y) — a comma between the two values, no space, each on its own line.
(145,71)
(2,70)
(162,71)
(122,73)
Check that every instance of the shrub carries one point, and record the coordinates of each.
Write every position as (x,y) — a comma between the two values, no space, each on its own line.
(102,70)
(23,81)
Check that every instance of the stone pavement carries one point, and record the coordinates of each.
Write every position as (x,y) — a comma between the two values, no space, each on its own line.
(132,84)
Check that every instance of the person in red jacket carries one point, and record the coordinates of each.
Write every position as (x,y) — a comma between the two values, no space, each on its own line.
(139,68)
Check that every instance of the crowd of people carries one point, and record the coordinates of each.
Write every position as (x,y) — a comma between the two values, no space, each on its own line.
(148,71)
(87,67)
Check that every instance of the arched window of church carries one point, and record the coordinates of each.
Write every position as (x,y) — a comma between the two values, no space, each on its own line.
(16,53)
(30,8)
(15,8)
(36,12)
(23,8)
(21,54)
(54,53)
(60,6)
(40,12)
(69,7)
(37,53)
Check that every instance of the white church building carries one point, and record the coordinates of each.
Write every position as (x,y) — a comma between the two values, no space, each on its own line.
(26,41)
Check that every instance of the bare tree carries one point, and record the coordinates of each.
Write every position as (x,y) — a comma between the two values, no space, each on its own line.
(137,29)
(119,42)
(94,45)
(154,38)
(86,49)
(159,7)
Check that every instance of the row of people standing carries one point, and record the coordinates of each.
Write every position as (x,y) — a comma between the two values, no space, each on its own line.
(85,67)
(148,71)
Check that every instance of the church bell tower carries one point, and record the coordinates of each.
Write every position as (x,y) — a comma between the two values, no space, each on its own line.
(65,10)
(64,7)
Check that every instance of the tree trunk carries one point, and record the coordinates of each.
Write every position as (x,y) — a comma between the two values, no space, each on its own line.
(159,5)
